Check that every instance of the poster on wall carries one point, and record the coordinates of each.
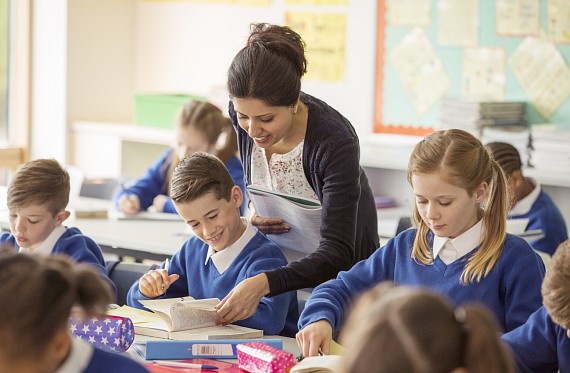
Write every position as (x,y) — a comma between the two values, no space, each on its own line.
(420,70)
(409,13)
(458,22)
(543,73)
(483,74)
(325,38)
(517,17)
(316,2)
(559,21)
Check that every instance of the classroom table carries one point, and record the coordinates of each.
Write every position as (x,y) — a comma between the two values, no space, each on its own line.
(141,239)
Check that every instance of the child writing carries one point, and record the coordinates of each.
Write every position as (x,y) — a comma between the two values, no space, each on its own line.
(199,125)
(225,250)
(411,330)
(530,201)
(36,297)
(542,344)
(460,247)
(37,197)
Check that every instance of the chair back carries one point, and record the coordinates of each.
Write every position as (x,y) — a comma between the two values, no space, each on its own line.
(124,275)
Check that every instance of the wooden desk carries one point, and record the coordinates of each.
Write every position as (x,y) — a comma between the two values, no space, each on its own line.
(141,239)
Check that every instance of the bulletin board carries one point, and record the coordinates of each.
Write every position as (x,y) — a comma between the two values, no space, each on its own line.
(393,108)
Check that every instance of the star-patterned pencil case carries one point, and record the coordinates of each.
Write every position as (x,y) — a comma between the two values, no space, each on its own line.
(111,333)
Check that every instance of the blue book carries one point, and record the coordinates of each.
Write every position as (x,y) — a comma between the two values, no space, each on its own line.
(179,350)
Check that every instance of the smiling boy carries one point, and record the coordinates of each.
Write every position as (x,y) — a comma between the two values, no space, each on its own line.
(225,250)
(37,197)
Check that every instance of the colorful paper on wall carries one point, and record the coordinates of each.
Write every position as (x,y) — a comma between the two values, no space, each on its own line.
(458,22)
(517,17)
(483,75)
(559,21)
(543,73)
(409,13)
(420,70)
(316,2)
(325,39)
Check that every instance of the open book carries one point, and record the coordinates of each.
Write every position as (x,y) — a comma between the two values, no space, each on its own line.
(303,215)
(189,319)
(319,364)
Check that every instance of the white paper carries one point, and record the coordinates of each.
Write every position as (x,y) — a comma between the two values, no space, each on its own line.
(559,21)
(518,17)
(408,13)
(458,22)
(420,70)
(483,75)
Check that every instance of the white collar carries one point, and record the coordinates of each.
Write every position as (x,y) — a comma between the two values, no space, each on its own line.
(79,357)
(46,247)
(524,205)
(464,243)
(223,258)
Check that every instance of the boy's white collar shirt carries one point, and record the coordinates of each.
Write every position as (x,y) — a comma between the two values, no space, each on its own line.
(46,247)
(462,244)
(79,357)
(524,205)
(223,258)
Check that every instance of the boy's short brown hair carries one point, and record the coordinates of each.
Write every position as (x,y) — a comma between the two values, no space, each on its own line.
(41,181)
(198,174)
(556,286)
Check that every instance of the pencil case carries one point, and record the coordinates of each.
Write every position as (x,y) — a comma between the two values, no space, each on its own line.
(111,333)
(259,357)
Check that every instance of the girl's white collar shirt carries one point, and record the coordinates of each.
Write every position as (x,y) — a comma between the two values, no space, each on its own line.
(524,205)
(463,243)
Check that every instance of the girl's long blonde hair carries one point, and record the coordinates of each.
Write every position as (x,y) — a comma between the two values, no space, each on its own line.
(463,161)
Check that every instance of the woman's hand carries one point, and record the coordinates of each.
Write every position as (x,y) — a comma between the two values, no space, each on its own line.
(159,202)
(155,282)
(129,204)
(243,300)
(269,225)
(315,337)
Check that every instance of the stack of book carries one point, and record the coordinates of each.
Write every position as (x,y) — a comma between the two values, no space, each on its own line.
(519,137)
(551,147)
(472,116)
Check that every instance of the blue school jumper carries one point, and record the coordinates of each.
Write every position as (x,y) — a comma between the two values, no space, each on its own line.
(540,345)
(152,183)
(77,246)
(275,315)
(511,290)
(112,362)
(545,215)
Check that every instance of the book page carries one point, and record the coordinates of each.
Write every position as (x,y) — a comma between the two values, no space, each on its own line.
(319,364)
(189,316)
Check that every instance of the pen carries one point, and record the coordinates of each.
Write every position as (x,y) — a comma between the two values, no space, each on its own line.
(166,266)
(180,364)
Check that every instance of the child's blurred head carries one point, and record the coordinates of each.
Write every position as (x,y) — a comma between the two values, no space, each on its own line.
(556,287)
(199,126)
(510,160)
(37,295)
(37,197)
(404,329)
(204,194)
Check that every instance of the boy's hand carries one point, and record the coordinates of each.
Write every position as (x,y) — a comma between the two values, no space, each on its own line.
(155,282)
(129,204)
(315,337)
(159,202)
(243,300)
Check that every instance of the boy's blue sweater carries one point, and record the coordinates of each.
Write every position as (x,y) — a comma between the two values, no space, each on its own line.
(76,245)
(275,315)
(153,183)
(511,290)
(540,345)
(545,215)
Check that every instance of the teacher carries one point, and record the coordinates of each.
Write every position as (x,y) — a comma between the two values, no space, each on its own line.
(294,143)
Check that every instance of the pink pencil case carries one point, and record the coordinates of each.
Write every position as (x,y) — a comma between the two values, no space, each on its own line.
(111,333)
(259,357)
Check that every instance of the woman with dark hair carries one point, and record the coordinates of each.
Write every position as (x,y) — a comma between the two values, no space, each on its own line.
(294,143)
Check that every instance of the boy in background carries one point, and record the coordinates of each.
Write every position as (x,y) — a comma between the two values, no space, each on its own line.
(37,197)
(542,344)
(225,250)
(529,201)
